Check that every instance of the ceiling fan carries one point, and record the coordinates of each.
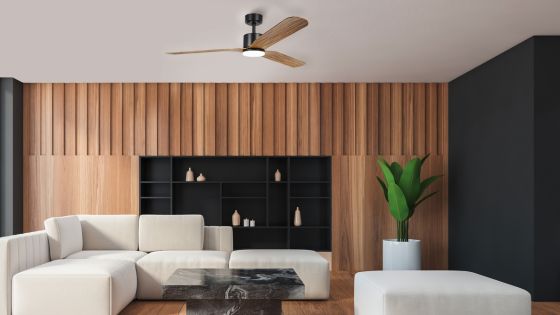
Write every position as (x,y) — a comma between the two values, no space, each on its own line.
(256,44)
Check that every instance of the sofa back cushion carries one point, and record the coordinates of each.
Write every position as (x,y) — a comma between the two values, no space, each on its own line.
(171,232)
(109,232)
(65,236)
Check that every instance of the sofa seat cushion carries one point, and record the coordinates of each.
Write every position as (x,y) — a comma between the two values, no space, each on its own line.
(65,236)
(436,293)
(110,232)
(171,232)
(75,286)
(155,268)
(311,267)
(130,255)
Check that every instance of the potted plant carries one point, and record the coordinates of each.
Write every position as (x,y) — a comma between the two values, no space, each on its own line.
(404,191)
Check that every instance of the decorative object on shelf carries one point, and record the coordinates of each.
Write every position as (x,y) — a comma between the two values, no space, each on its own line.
(404,191)
(201,178)
(252,223)
(235,219)
(277,176)
(190,176)
(245,222)
(297,217)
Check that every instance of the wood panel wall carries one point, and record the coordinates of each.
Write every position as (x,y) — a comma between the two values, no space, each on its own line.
(82,140)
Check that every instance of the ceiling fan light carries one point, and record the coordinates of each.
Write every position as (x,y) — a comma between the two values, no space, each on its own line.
(252,53)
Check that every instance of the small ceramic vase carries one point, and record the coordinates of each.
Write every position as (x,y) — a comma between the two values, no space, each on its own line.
(252,223)
(235,219)
(297,217)
(201,178)
(277,176)
(245,222)
(190,176)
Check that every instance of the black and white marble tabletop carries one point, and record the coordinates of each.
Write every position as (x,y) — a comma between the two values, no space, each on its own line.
(234,291)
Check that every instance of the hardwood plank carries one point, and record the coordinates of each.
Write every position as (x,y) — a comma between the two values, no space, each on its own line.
(408,119)
(291,119)
(26,121)
(116,119)
(140,119)
(186,119)
(81,119)
(280,119)
(338,119)
(233,119)
(372,119)
(34,119)
(58,118)
(209,119)
(361,118)
(303,119)
(105,119)
(244,119)
(431,118)
(175,119)
(198,119)
(268,119)
(326,104)
(396,119)
(384,131)
(70,119)
(46,119)
(152,119)
(349,137)
(221,119)
(128,119)
(93,118)
(163,119)
(256,119)
(314,119)
(419,119)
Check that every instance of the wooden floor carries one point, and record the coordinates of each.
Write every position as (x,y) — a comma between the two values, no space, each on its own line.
(340,303)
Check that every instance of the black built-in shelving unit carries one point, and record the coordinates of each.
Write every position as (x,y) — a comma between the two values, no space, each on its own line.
(246,184)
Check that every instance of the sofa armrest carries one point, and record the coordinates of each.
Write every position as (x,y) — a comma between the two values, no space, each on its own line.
(218,238)
(19,253)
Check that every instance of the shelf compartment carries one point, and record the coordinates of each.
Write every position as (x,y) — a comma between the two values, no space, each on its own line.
(155,190)
(221,169)
(310,169)
(243,190)
(198,199)
(253,238)
(277,204)
(314,212)
(314,239)
(155,169)
(310,190)
(280,164)
(247,208)
(155,206)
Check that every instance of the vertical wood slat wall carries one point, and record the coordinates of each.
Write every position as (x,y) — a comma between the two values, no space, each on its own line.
(85,134)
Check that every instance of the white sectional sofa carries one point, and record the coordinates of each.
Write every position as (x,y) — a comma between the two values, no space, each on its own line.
(97,264)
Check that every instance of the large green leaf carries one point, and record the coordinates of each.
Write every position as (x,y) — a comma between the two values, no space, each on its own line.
(426,197)
(427,182)
(386,169)
(397,170)
(397,203)
(383,186)
(424,159)
(410,181)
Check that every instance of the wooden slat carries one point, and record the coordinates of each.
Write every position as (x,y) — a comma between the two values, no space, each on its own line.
(140,119)
(408,119)
(349,119)
(26,119)
(58,118)
(198,119)
(34,119)
(303,119)
(268,119)
(152,119)
(372,118)
(396,119)
(128,119)
(221,119)
(361,118)
(105,119)
(314,119)
(186,119)
(326,118)
(256,119)
(163,119)
(175,119)
(384,132)
(233,119)
(93,118)
(442,119)
(116,119)
(280,119)
(431,118)
(244,119)
(338,119)
(209,119)
(81,119)
(419,119)
(291,119)
(46,119)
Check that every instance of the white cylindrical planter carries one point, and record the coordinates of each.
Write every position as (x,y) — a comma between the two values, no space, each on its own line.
(402,255)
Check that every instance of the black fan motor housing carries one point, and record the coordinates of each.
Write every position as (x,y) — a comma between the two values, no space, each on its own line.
(249,38)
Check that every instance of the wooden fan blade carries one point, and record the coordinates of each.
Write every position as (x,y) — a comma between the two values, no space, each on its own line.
(204,51)
(279,32)
(283,59)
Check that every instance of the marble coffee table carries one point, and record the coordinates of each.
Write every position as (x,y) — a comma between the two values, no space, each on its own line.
(234,291)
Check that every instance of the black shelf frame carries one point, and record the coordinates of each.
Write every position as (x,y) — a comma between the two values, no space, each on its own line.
(306,182)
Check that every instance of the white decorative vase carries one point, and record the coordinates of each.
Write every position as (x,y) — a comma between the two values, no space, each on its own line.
(297,217)
(402,255)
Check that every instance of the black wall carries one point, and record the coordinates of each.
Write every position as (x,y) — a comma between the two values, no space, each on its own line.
(503,125)
(11,156)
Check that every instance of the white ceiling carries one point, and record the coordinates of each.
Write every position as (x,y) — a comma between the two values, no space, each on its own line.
(346,40)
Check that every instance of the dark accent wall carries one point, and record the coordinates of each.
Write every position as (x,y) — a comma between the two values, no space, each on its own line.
(11,156)
(503,126)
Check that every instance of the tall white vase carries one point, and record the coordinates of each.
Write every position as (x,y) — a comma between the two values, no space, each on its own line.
(402,255)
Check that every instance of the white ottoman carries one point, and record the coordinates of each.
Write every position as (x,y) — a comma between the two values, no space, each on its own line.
(311,267)
(75,286)
(436,293)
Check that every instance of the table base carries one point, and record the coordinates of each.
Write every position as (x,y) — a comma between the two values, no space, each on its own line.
(234,307)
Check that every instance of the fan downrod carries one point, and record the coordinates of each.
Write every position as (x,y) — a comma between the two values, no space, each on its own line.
(253,20)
